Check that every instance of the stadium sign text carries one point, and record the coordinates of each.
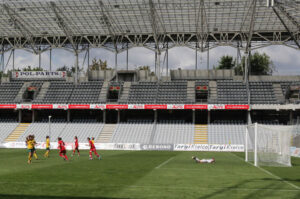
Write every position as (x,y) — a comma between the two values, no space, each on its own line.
(208,147)
(38,75)
(157,147)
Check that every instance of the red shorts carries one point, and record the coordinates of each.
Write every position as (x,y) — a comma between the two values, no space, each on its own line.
(93,149)
(76,147)
(62,151)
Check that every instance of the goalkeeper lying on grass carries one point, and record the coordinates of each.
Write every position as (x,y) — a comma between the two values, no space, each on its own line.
(209,161)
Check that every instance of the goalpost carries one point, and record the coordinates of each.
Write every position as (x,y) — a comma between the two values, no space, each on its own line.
(268,145)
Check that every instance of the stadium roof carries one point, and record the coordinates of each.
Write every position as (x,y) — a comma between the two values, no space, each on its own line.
(149,23)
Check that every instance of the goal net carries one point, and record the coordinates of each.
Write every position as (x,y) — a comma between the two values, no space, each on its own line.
(268,145)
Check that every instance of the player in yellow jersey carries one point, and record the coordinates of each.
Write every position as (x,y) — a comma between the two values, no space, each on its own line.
(46,155)
(34,150)
(93,140)
(30,146)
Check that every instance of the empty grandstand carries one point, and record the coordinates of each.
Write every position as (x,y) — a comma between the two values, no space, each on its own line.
(182,110)
(137,105)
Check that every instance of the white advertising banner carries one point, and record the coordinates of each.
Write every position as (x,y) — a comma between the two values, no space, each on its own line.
(24,106)
(208,147)
(70,146)
(39,75)
(135,106)
(216,107)
(60,106)
(97,106)
(118,146)
(175,106)
(137,146)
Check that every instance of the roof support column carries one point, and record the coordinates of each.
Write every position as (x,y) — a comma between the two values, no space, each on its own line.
(50,59)
(2,58)
(158,72)
(196,57)
(116,64)
(88,56)
(238,54)
(40,59)
(246,64)
(13,59)
(127,57)
(76,66)
(167,57)
(155,62)
(207,60)
(246,74)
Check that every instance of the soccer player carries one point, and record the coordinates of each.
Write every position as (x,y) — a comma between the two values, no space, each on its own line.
(34,150)
(93,149)
(76,147)
(93,140)
(209,161)
(46,155)
(30,145)
(62,149)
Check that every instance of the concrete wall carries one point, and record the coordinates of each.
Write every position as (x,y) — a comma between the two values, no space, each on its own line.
(201,74)
(269,78)
(106,75)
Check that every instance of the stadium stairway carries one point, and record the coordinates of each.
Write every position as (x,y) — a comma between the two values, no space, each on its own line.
(17,132)
(200,134)
(106,133)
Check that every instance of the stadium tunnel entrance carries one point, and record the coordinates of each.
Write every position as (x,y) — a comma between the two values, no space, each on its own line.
(175,115)
(238,116)
(201,116)
(85,115)
(111,116)
(272,116)
(56,115)
(8,115)
(26,116)
(136,115)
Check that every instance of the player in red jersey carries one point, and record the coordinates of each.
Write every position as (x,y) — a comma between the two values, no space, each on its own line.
(76,147)
(62,149)
(93,149)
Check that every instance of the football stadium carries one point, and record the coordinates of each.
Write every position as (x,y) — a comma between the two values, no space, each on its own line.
(161,131)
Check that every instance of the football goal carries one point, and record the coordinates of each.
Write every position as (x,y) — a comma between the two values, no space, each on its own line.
(268,145)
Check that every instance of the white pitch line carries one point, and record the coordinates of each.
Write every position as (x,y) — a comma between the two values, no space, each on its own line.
(165,162)
(269,173)
(155,187)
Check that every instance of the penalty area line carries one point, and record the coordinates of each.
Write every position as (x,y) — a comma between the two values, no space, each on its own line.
(269,173)
(165,162)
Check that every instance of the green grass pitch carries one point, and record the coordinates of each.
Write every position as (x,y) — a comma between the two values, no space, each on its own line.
(143,174)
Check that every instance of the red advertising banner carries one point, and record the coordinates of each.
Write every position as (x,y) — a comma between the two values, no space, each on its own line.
(237,107)
(42,106)
(79,106)
(155,106)
(195,106)
(127,106)
(116,106)
(8,106)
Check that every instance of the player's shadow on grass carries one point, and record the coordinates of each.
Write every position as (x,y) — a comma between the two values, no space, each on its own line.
(3,196)
(258,192)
